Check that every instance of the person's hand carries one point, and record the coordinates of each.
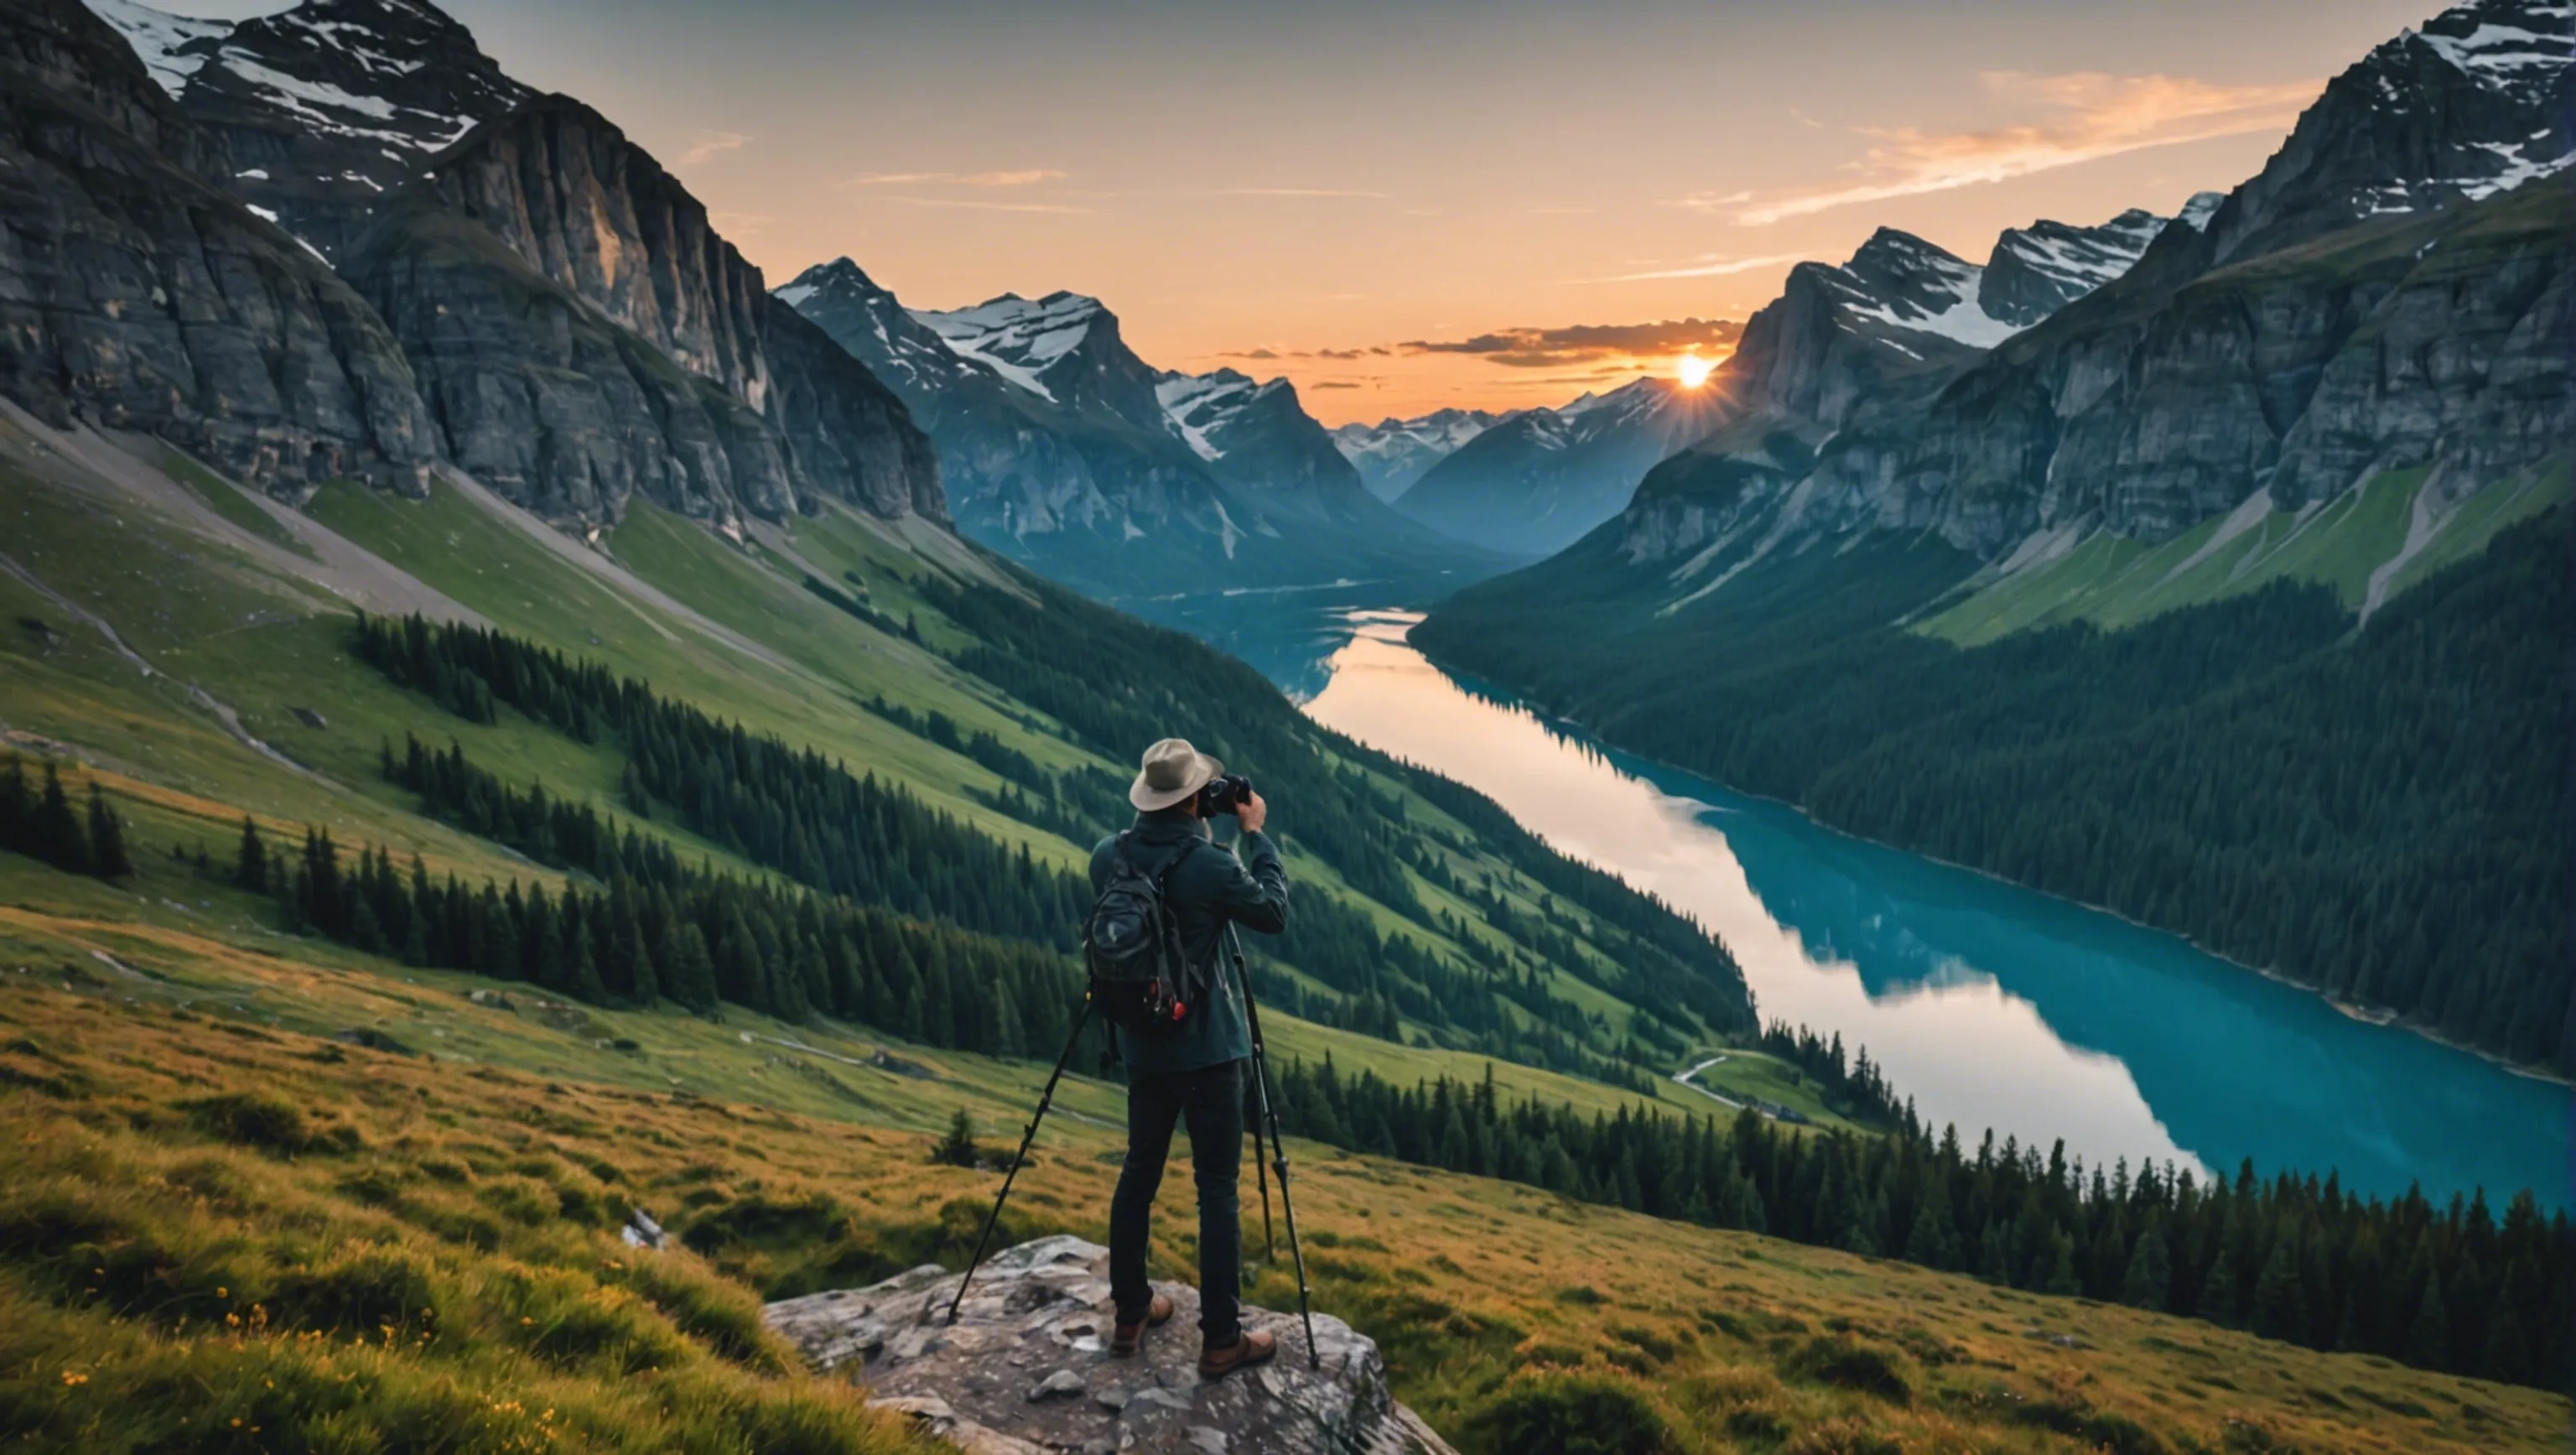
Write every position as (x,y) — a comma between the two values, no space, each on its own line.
(1252,812)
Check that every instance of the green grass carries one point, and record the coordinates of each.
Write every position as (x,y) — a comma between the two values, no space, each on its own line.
(2342,543)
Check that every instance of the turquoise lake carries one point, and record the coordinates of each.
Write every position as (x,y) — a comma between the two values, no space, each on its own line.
(1990,1005)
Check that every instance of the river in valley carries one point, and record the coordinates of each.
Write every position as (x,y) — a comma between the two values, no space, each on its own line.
(1990,1005)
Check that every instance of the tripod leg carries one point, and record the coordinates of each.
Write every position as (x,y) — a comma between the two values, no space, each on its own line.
(1261,1169)
(1279,1154)
(1045,1099)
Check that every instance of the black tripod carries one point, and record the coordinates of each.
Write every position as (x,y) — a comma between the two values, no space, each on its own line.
(1046,1098)
(1278,1153)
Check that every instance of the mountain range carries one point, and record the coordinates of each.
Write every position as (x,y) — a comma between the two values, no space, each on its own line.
(1900,309)
(1063,449)
(2275,496)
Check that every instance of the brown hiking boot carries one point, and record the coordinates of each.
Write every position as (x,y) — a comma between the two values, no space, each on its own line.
(1255,1347)
(1126,1338)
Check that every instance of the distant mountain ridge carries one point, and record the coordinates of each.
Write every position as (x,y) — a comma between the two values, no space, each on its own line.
(1393,453)
(1900,314)
(1067,451)
(1536,480)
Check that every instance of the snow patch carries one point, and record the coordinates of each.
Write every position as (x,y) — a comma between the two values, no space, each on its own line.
(157,37)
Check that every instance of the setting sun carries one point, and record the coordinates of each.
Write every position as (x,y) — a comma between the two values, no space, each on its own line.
(1693,370)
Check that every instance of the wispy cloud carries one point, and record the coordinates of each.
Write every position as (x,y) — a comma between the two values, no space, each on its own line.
(1711,266)
(976,204)
(1588,343)
(1265,355)
(2091,115)
(711,143)
(1292,192)
(1020,177)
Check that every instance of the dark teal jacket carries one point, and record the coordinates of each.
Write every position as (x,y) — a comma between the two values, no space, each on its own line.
(1209,888)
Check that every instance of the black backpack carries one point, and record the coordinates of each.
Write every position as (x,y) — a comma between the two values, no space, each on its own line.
(1131,944)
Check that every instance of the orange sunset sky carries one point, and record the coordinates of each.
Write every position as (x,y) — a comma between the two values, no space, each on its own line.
(1407,205)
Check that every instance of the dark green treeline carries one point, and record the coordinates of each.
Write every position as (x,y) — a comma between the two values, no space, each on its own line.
(42,824)
(688,937)
(2292,1258)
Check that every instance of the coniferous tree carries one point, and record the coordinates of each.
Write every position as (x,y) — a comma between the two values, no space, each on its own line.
(250,860)
(54,831)
(2280,1308)
(693,971)
(17,803)
(2428,1339)
(957,1148)
(107,858)
(2149,1279)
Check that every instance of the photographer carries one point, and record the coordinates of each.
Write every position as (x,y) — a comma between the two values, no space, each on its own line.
(1194,1071)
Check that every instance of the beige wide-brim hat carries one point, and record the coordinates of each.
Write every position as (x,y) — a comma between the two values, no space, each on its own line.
(1173,771)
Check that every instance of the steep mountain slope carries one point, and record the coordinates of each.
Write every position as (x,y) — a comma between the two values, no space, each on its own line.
(1541,478)
(1393,453)
(320,109)
(2346,384)
(2038,270)
(584,335)
(1065,450)
(141,296)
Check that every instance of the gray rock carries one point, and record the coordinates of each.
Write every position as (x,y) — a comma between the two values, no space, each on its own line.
(1046,1298)
(1058,1385)
(583,335)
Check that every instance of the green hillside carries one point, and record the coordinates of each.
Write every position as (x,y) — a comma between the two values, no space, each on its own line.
(2368,545)
(184,636)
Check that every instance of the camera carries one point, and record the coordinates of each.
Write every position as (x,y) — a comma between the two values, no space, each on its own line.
(1226,793)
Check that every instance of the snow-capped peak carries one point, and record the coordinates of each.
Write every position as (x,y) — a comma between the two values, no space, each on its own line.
(1017,337)
(166,43)
(1898,280)
(2505,45)
(1393,453)
(2196,212)
(2036,270)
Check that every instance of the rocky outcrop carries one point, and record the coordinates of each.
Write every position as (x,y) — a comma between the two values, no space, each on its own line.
(1025,1370)
(583,334)
(135,293)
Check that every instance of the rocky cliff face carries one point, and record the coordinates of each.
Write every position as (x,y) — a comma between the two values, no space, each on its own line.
(134,292)
(1025,1370)
(320,110)
(584,334)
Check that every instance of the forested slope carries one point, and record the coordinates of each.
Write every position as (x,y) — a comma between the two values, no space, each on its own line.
(2373,808)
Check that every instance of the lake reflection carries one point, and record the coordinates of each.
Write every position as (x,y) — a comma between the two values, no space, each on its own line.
(1991,1006)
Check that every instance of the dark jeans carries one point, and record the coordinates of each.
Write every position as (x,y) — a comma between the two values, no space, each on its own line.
(1211,1100)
